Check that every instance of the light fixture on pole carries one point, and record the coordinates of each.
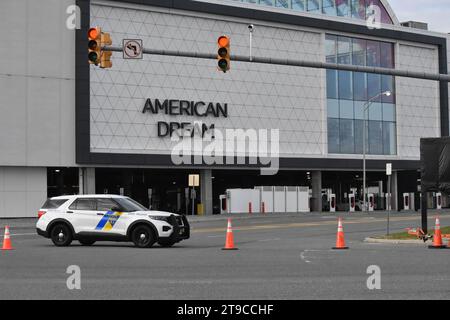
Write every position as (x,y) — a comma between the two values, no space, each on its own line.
(366,108)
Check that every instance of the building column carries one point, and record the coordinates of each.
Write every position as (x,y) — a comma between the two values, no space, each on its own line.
(206,194)
(316,182)
(394,191)
(86,180)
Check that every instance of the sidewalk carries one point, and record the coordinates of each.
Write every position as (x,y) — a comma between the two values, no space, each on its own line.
(31,222)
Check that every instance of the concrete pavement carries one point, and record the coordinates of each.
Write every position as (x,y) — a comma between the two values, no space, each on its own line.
(278,258)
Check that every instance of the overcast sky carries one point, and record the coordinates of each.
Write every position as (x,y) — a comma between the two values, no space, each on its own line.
(435,12)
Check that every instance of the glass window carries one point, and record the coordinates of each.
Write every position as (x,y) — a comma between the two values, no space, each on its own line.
(373,53)
(330,48)
(313,6)
(266,2)
(349,93)
(343,8)
(375,111)
(333,135)
(389,138)
(346,109)
(129,205)
(387,84)
(54,203)
(359,125)
(347,136)
(84,204)
(251,1)
(373,86)
(105,204)
(329,7)
(332,84)
(360,86)
(359,52)
(389,112)
(344,50)
(359,9)
(345,85)
(298,5)
(282,3)
(375,137)
(359,109)
(386,55)
(333,108)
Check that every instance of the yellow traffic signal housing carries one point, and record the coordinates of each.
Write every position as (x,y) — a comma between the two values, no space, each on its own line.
(94,45)
(223,53)
(105,59)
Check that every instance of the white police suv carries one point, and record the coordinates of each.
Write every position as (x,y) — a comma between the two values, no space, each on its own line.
(91,218)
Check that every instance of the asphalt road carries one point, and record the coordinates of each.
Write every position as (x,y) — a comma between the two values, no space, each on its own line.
(278,258)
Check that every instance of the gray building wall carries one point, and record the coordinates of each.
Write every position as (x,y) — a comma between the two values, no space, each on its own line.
(37,100)
(37,84)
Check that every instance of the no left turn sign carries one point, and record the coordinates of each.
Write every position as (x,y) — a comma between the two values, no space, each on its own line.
(132,49)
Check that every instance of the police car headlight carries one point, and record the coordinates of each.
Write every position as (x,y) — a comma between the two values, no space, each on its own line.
(160,218)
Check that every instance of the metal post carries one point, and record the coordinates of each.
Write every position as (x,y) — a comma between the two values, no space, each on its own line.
(388,203)
(364,162)
(424,208)
(251,44)
(193,200)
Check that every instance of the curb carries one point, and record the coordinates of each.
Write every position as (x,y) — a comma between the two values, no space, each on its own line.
(388,241)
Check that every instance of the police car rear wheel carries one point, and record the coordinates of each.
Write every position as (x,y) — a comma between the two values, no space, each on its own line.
(142,237)
(61,235)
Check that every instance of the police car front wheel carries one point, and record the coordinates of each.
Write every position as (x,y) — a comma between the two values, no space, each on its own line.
(143,237)
(61,235)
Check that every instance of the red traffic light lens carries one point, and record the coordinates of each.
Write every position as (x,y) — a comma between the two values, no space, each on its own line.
(93,33)
(223,41)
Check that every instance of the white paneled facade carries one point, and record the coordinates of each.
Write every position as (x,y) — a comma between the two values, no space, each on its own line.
(418,109)
(258,96)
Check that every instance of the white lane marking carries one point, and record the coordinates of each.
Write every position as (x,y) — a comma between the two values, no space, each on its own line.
(221,236)
(23,234)
(302,256)
(266,240)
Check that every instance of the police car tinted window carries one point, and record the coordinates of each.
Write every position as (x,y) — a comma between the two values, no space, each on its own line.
(53,204)
(106,204)
(129,205)
(83,204)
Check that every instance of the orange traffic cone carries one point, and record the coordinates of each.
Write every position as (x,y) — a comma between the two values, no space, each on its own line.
(229,242)
(340,242)
(437,238)
(7,240)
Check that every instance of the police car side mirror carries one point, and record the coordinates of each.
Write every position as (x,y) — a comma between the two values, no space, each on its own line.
(116,209)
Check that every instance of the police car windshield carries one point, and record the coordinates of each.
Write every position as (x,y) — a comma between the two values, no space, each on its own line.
(129,205)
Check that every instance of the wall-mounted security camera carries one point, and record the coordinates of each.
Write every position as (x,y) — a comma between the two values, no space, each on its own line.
(251,27)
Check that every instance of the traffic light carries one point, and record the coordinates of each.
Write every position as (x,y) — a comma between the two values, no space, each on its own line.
(94,45)
(97,40)
(105,59)
(223,53)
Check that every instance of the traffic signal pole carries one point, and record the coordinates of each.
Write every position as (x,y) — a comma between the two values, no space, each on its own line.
(295,63)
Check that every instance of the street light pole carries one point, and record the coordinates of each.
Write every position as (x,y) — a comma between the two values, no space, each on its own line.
(366,107)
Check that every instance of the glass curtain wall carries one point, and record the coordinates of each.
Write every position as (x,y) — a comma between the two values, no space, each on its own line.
(357,9)
(349,92)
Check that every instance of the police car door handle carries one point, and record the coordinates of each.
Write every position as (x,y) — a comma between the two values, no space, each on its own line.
(100,214)
(69,211)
